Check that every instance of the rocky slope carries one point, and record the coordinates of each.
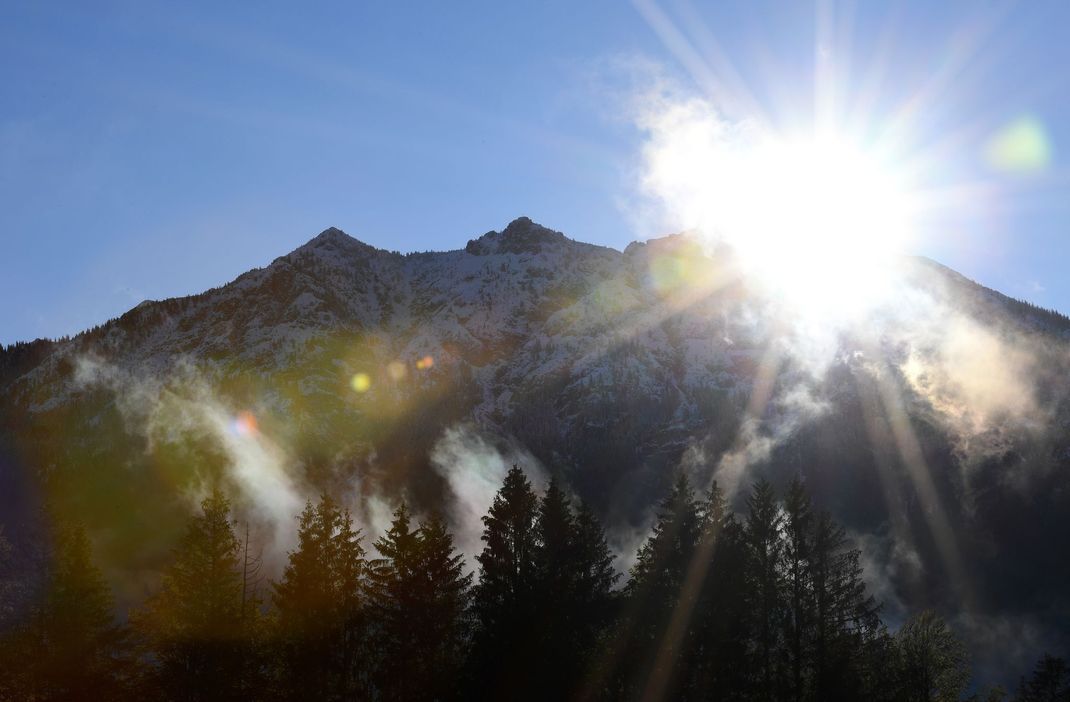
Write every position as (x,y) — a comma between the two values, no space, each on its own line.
(932,427)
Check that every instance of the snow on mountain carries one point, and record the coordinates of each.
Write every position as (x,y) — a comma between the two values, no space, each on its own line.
(613,368)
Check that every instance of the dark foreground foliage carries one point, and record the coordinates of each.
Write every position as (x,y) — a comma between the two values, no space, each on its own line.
(764,605)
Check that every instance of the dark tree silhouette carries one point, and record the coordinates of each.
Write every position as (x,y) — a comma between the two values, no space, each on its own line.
(654,595)
(319,603)
(68,643)
(419,596)
(194,624)
(848,637)
(504,598)
(797,551)
(719,639)
(1050,682)
(766,601)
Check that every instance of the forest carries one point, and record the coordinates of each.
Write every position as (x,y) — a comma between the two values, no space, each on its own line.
(768,604)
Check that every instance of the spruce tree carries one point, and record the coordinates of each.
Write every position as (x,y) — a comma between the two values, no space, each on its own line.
(848,638)
(765,587)
(798,518)
(556,576)
(394,598)
(654,591)
(318,602)
(593,595)
(504,599)
(194,624)
(719,639)
(443,597)
(67,644)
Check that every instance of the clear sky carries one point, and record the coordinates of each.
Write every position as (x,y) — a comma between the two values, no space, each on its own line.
(151,150)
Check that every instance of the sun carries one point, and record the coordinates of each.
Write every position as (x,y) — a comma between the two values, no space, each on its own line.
(818,220)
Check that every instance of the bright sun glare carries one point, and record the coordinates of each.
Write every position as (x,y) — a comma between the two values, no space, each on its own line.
(817,220)
(821,221)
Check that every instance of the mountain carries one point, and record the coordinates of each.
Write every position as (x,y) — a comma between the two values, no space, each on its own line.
(934,426)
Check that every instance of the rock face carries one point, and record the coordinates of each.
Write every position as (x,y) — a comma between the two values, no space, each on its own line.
(930,432)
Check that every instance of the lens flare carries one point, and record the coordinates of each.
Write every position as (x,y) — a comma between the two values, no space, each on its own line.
(425,363)
(244,424)
(397,371)
(1021,147)
(361,382)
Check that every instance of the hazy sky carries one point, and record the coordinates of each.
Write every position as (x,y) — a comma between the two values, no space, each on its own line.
(149,150)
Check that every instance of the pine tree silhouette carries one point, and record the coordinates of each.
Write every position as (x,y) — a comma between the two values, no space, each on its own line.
(504,599)
(319,603)
(194,624)
(765,587)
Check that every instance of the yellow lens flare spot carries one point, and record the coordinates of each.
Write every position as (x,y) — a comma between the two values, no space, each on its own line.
(425,363)
(244,424)
(397,371)
(671,272)
(1021,147)
(361,382)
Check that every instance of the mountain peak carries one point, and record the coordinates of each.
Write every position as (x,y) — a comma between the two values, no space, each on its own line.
(333,239)
(333,234)
(519,236)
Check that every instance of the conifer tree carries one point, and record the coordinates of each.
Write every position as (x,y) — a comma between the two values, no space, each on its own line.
(848,638)
(443,610)
(319,606)
(556,575)
(797,550)
(596,578)
(68,642)
(654,590)
(719,638)
(393,595)
(765,586)
(504,599)
(1050,682)
(194,624)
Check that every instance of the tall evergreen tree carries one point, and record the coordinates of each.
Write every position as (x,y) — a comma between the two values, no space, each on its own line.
(764,524)
(849,643)
(797,550)
(720,631)
(654,590)
(574,583)
(593,595)
(319,627)
(194,624)
(68,644)
(393,593)
(556,578)
(444,600)
(504,599)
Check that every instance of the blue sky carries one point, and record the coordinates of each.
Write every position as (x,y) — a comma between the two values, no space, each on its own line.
(148,151)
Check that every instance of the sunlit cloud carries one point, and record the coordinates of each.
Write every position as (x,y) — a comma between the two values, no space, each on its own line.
(474,469)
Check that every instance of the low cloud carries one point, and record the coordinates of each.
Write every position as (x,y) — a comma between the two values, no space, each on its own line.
(170,409)
(474,468)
